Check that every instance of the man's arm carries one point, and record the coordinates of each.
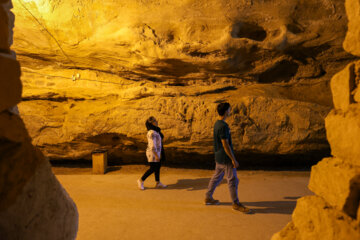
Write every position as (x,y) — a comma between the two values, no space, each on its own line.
(228,151)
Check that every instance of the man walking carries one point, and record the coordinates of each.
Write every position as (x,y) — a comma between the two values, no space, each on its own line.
(225,161)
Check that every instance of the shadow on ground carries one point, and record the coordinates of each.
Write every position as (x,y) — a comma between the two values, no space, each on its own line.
(270,207)
(112,169)
(190,184)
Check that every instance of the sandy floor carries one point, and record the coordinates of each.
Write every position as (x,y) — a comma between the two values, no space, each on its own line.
(111,207)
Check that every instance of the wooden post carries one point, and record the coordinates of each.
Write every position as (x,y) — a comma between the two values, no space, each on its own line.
(99,161)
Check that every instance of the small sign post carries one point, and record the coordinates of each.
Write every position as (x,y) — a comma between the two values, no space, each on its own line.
(99,161)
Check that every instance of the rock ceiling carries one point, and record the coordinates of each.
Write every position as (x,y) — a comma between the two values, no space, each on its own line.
(93,71)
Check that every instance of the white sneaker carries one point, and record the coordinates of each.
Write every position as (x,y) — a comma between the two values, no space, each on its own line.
(140,184)
(160,185)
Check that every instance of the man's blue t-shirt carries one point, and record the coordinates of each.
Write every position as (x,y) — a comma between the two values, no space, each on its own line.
(221,131)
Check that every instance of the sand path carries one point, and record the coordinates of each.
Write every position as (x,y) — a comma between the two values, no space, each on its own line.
(111,207)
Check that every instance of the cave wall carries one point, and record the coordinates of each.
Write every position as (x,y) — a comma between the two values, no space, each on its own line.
(333,212)
(94,71)
(33,204)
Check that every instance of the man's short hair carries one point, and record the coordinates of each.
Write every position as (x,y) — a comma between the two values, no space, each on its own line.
(222,108)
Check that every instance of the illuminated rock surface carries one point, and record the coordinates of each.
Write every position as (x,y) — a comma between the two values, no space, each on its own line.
(313,218)
(330,179)
(33,204)
(260,124)
(334,212)
(344,137)
(93,71)
(352,43)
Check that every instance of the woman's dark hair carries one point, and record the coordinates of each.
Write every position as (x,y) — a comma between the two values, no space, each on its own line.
(222,108)
(149,124)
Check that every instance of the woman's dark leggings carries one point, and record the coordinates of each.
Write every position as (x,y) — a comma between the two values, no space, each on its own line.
(154,167)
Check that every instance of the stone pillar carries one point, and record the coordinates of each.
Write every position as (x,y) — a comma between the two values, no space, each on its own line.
(33,204)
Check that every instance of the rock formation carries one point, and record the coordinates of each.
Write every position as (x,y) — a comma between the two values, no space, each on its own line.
(93,71)
(33,204)
(334,213)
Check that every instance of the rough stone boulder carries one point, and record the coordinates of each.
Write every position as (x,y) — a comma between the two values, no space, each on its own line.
(343,131)
(93,71)
(33,204)
(314,218)
(332,179)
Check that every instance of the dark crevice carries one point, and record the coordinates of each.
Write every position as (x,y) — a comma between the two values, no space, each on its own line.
(248,30)
(186,159)
(170,67)
(113,141)
(301,53)
(41,57)
(295,28)
(91,69)
(283,71)
(177,84)
(140,96)
(5,51)
(219,90)
(353,200)
(53,99)
(197,53)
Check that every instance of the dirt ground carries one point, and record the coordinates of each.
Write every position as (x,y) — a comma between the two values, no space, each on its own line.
(112,207)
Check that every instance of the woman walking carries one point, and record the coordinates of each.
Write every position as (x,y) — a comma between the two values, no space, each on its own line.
(153,153)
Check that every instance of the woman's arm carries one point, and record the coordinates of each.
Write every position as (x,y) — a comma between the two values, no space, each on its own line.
(156,155)
(152,141)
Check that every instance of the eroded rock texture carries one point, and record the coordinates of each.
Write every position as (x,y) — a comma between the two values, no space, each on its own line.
(334,213)
(93,71)
(33,204)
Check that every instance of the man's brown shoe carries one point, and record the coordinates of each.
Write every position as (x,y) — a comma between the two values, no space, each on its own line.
(241,208)
(211,201)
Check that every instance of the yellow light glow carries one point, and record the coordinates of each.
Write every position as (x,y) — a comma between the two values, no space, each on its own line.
(35,6)
(35,1)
